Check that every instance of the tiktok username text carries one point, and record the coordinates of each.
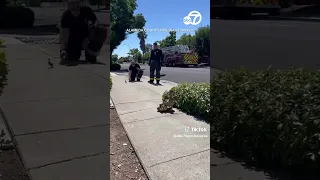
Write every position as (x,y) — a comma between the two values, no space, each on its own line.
(160,30)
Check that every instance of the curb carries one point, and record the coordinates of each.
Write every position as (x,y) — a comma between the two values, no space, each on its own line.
(124,74)
(295,19)
(14,142)
(130,140)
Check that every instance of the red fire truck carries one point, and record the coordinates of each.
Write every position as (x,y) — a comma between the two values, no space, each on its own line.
(179,55)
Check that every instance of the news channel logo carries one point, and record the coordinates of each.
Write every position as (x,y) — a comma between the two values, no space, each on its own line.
(192,17)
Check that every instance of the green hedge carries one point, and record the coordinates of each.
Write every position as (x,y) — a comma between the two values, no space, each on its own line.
(3,82)
(269,117)
(110,82)
(115,67)
(3,69)
(16,17)
(192,98)
(34,3)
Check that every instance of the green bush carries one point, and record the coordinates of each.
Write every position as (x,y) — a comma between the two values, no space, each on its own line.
(3,82)
(115,67)
(110,82)
(192,98)
(34,3)
(268,117)
(3,69)
(16,17)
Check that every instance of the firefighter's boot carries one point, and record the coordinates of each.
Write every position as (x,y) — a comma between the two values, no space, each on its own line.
(158,82)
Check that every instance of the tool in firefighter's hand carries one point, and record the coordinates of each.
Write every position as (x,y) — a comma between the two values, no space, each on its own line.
(167,105)
(50,64)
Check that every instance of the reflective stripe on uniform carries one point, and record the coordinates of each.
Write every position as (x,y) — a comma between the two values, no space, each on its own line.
(151,79)
(158,79)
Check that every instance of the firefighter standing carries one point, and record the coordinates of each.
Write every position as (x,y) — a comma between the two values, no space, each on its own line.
(155,63)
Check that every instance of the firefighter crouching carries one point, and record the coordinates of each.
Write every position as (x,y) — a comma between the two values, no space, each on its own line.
(155,63)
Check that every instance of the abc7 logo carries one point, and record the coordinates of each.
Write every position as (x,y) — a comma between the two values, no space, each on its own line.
(196,16)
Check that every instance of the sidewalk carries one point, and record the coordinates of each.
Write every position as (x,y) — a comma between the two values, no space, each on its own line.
(163,143)
(58,117)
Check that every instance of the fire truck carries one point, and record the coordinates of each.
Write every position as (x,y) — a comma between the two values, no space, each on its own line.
(243,8)
(179,55)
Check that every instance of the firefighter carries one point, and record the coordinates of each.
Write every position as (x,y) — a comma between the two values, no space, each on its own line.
(77,33)
(155,63)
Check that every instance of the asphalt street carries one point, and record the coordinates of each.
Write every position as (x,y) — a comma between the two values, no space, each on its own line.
(178,75)
(258,44)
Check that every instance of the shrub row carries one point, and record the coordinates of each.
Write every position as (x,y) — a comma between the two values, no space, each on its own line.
(269,117)
(3,69)
(191,98)
(16,17)
(115,66)
(110,82)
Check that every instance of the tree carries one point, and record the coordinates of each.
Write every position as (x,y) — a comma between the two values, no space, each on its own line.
(114,58)
(122,19)
(133,52)
(148,47)
(146,57)
(169,40)
(187,39)
(138,57)
(160,43)
(142,35)
(202,41)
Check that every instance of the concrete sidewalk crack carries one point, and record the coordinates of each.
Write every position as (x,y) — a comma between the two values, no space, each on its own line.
(136,111)
(136,101)
(51,99)
(138,120)
(156,164)
(68,160)
(95,74)
(66,129)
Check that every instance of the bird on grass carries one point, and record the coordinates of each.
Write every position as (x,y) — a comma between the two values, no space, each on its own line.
(50,64)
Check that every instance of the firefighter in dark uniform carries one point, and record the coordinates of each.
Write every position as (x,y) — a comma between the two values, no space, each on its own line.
(155,63)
